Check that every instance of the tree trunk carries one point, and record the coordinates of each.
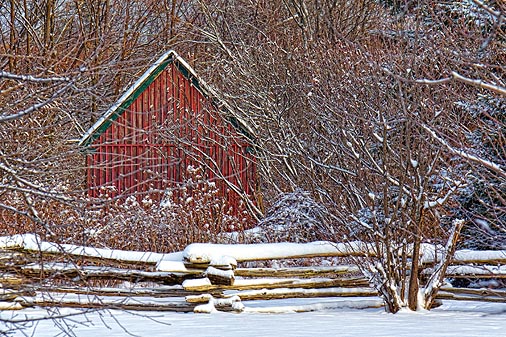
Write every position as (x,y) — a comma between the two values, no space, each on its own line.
(49,24)
(12,37)
(414,284)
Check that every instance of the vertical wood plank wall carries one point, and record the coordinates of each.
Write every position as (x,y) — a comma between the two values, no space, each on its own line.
(170,126)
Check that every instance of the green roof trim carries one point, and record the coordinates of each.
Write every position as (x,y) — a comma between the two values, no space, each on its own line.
(124,102)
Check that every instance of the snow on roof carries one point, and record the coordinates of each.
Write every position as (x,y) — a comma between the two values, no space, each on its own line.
(126,99)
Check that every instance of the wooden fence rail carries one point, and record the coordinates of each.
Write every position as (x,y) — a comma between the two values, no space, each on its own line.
(206,277)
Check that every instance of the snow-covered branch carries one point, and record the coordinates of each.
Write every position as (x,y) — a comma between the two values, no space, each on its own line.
(486,163)
(331,167)
(488,9)
(418,81)
(479,83)
(4,117)
(436,279)
(31,187)
(47,194)
(454,76)
(30,78)
(20,212)
(442,200)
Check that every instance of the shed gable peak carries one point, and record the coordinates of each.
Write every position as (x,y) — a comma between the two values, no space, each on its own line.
(129,96)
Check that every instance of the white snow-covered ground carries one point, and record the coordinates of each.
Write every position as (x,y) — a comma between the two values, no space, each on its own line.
(473,319)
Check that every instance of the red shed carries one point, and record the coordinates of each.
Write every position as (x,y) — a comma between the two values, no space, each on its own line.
(168,120)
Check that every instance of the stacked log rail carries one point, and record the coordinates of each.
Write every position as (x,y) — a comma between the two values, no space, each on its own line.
(244,284)
(204,277)
(37,273)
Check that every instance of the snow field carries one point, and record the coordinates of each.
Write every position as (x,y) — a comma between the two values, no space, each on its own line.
(459,319)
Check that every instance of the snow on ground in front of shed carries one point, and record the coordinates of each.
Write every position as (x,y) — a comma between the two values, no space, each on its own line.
(452,319)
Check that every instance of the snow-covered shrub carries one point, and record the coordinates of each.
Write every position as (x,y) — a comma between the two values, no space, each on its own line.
(195,211)
(467,11)
(43,213)
(480,203)
(294,217)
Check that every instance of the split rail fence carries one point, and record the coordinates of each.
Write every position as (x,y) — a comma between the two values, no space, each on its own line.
(206,277)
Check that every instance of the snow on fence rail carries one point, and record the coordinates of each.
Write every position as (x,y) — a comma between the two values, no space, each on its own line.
(207,253)
(205,277)
(32,242)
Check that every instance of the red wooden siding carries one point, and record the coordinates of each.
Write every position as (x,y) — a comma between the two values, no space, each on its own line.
(168,127)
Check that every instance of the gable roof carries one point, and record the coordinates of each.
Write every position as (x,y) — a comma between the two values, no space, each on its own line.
(170,57)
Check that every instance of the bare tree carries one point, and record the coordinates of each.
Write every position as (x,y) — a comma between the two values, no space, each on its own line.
(62,63)
(370,122)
